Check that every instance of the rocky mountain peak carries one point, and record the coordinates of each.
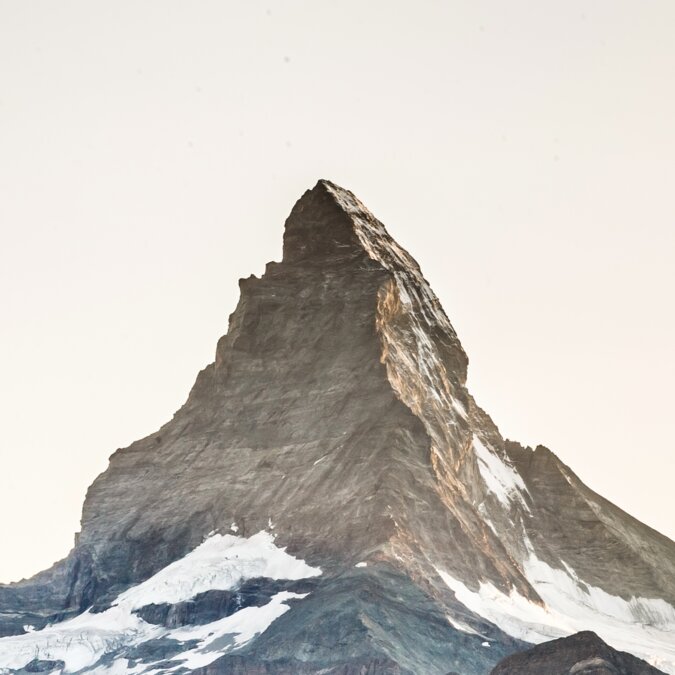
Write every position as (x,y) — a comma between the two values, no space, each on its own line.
(331,466)
(319,230)
(330,226)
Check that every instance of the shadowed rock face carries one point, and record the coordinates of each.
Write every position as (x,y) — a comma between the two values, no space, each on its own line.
(336,415)
(213,605)
(580,654)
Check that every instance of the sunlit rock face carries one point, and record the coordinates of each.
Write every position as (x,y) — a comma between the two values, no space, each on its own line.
(334,429)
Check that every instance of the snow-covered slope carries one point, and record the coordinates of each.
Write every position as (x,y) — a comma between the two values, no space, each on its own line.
(104,640)
(642,626)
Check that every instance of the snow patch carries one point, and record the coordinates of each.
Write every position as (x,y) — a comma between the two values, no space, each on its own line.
(244,625)
(460,626)
(222,562)
(459,408)
(641,626)
(500,478)
(361,564)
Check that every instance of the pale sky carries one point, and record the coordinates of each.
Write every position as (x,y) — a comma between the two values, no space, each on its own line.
(523,152)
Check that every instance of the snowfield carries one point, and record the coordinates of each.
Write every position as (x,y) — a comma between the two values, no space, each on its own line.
(642,626)
(222,562)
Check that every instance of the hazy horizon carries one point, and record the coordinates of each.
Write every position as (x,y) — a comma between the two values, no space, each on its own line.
(151,151)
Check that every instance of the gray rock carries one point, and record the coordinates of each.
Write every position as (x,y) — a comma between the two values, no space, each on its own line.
(43,666)
(580,654)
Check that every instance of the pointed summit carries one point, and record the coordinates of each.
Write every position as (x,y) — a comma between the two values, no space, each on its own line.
(319,230)
(330,225)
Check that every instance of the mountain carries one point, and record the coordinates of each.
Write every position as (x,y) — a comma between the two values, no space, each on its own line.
(580,654)
(331,499)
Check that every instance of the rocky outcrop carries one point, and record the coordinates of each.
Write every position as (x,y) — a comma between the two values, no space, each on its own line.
(579,654)
(336,416)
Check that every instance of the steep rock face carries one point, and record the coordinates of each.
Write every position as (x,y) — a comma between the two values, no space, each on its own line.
(336,416)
